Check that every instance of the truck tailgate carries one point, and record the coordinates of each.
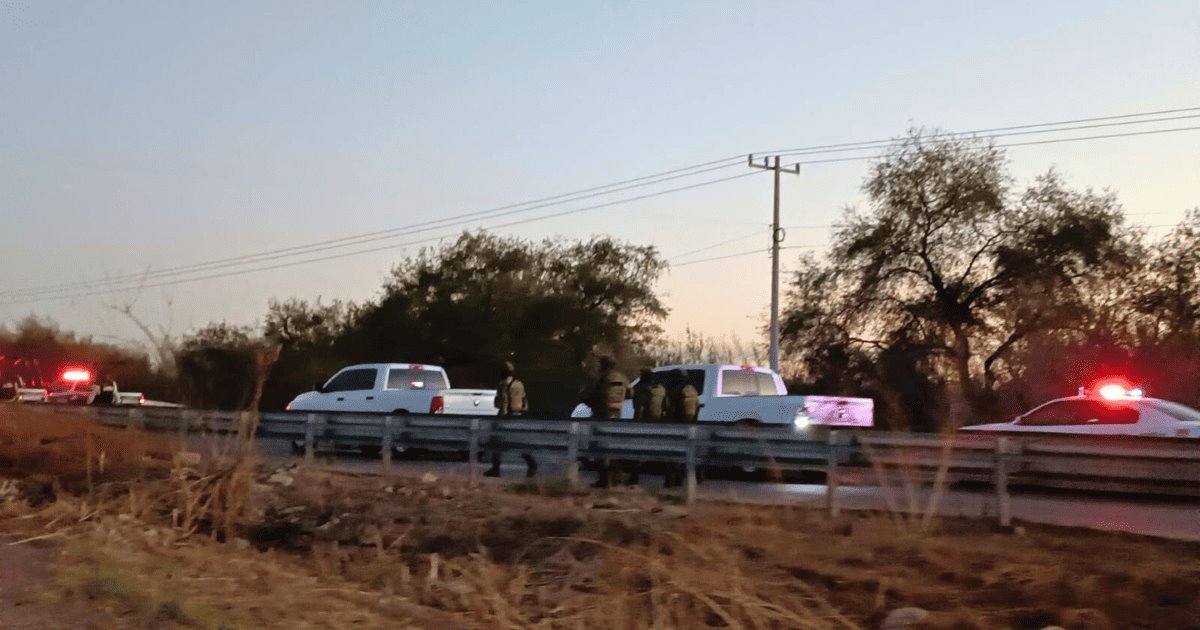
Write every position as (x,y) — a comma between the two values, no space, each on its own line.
(469,402)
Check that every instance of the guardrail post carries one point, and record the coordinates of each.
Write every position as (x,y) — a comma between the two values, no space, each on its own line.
(473,453)
(1003,499)
(185,416)
(134,422)
(690,480)
(573,455)
(401,425)
(310,438)
(831,475)
(385,447)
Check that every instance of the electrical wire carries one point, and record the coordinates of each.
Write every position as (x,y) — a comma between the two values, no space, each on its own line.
(360,239)
(71,289)
(238,272)
(1015,144)
(763,233)
(991,130)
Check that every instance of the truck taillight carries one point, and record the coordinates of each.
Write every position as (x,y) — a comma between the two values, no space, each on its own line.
(437,405)
(142,399)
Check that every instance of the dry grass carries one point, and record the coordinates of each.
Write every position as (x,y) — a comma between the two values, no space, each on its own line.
(76,451)
(306,547)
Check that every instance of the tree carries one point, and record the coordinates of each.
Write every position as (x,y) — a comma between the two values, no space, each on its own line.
(547,306)
(306,335)
(43,341)
(950,263)
(224,367)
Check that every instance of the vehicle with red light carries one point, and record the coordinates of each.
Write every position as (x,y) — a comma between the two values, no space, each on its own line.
(77,386)
(397,388)
(1112,408)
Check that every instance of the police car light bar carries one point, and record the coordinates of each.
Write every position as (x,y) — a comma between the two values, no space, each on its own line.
(1114,391)
(76,375)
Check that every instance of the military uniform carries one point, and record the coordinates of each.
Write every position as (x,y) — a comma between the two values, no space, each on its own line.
(510,397)
(510,401)
(609,395)
(650,401)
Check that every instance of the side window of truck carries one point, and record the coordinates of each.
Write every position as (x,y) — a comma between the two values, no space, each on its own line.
(766,384)
(358,379)
(738,383)
(666,378)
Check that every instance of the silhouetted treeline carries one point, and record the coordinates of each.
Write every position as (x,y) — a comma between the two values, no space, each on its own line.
(958,297)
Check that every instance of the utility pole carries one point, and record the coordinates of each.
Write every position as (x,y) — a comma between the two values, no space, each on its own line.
(777,236)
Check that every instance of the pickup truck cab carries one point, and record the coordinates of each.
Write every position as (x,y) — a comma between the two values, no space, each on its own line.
(749,395)
(398,388)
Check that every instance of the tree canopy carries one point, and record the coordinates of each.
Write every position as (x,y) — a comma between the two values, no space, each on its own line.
(954,267)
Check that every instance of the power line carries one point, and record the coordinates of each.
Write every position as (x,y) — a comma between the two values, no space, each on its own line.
(447,222)
(994,129)
(379,235)
(1019,144)
(715,245)
(704,260)
(899,142)
(238,272)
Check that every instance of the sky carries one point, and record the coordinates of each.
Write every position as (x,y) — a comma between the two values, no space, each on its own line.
(138,136)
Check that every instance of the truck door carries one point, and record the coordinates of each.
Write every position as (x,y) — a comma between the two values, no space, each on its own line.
(351,390)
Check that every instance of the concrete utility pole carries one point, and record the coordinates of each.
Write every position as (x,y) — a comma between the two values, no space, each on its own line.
(777,236)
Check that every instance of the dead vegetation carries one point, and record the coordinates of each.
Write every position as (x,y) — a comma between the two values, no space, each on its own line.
(221,543)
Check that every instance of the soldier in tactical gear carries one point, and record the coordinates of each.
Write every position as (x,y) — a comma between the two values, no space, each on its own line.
(684,404)
(650,402)
(606,399)
(510,401)
(610,392)
(685,400)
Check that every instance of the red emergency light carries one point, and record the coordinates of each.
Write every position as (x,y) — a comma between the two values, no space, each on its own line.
(76,375)
(1114,390)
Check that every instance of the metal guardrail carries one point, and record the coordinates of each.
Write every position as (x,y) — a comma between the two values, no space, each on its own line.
(1122,464)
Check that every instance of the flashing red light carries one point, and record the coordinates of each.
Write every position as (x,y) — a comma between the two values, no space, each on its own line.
(76,375)
(1111,391)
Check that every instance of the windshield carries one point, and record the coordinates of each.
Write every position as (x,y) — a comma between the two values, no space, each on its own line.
(1182,413)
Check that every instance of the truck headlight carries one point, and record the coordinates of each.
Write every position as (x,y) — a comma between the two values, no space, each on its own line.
(801,421)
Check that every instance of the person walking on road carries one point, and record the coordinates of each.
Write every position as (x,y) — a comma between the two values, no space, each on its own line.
(511,401)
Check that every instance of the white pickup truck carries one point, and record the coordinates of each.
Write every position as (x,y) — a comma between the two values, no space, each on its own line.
(748,396)
(397,388)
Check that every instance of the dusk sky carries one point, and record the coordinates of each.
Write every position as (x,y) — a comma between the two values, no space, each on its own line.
(138,136)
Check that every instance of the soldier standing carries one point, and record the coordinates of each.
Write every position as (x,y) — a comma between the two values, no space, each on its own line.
(606,399)
(649,399)
(685,400)
(684,407)
(610,392)
(510,402)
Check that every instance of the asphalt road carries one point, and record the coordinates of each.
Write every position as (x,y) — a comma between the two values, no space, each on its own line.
(1167,518)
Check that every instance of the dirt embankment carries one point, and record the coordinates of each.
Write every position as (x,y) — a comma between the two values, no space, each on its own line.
(226,545)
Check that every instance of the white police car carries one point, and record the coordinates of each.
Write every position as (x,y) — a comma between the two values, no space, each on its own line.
(1111,409)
